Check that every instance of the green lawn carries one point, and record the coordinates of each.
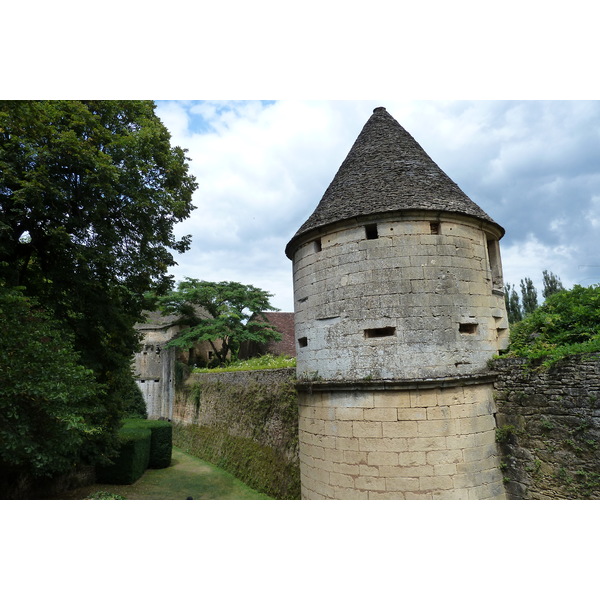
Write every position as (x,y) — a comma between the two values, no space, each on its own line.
(186,477)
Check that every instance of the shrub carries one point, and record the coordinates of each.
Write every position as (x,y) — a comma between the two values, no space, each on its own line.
(567,323)
(132,460)
(161,440)
(51,407)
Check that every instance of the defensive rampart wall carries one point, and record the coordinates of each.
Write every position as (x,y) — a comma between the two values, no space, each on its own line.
(549,428)
(244,422)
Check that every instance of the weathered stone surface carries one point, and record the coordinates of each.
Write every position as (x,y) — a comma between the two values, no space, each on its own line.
(552,421)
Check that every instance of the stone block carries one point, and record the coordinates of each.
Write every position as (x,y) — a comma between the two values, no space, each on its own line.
(402,484)
(475,424)
(412,414)
(382,458)
(428,443)
(369,483)
(355,458)
(324,490)
(376,495)
(418,496)
(400,429)
(391,399)
(350,494)
(435,483)
(316,475)
(346,413)
(338,429)
(438,457)
(363,429)
(341,480)
(325,413)
(313,451)
(333,455)
(438,412)
(345,468)
(412,459)
(406,471)
(451,495)
(444,469)
(368,470)
(423,398)
(383,444)
(445,427)
(347,443)
(480,453)
(380,414)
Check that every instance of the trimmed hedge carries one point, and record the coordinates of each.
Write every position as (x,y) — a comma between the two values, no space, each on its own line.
(144,444)
(132,460)
(161,443)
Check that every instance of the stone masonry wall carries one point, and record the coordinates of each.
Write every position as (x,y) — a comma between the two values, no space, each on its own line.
(549,428)
(436,443)
(245,422)
(402,298)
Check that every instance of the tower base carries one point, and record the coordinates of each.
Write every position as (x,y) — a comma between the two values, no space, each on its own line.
(432,439)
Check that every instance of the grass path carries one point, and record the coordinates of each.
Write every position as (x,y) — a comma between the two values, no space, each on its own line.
(187,476)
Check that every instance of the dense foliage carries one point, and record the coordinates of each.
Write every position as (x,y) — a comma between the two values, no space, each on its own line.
(89,194)
(260,363)
(567,323)
(50,406)
(228,318)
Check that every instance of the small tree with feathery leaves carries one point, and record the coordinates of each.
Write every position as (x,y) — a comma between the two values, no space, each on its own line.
(230,306)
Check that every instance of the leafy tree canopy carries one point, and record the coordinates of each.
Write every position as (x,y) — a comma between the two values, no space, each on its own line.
(89,194)
(567,323)
(228,321)
(528,296)
(552,284)
(51,410)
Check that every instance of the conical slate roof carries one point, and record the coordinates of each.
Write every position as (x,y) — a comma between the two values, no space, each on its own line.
(387,170)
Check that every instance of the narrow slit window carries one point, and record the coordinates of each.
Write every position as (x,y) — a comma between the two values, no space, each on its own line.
(303,342)
(379,332)
(467,328)
(371,231)
(318,245)
(495,264)
(434,227)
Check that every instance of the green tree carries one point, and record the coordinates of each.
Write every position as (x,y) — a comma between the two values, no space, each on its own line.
(227,323)
(552,284)
(567,323)
(89,194)
(513,306)
(528,296)
(48,402)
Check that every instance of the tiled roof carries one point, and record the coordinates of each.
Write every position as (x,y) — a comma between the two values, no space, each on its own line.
(387,170)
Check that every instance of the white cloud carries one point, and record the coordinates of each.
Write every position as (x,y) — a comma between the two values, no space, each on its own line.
(528,259)
(263,167)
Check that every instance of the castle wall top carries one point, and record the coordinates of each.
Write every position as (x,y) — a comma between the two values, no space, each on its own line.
(386,171)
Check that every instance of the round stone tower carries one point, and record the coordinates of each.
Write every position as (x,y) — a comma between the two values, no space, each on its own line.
(399,305)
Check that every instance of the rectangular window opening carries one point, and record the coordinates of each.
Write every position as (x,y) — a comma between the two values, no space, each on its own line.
(371,231)
(467,328)
(434,227)
(318,245)
(493,249)
(302,342)
(379,332)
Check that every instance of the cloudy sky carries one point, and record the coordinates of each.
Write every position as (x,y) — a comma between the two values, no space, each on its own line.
(262,167)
